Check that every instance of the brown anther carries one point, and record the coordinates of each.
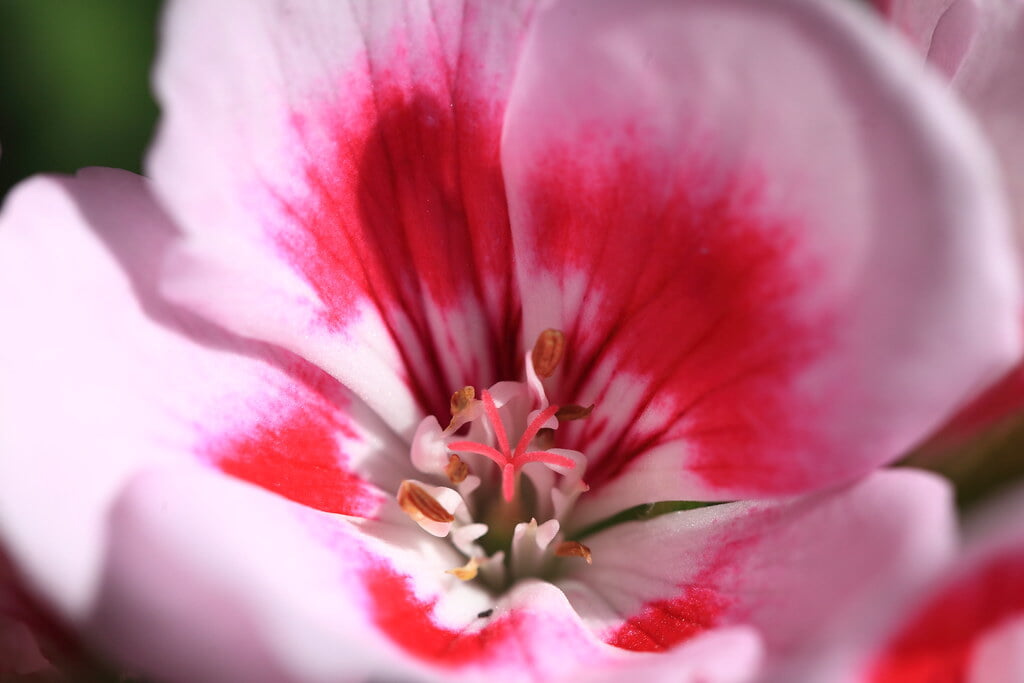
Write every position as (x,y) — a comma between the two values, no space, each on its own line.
(573,412)
(461,399)
(573,549)
(466,572)
(547,352)
(456,470)
(420,505)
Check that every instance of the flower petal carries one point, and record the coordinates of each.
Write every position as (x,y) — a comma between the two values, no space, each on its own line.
(315,597)
(968,621)
(797,569)
(917,19)
(102,378)
(776,247)
(335,166)
(986,75)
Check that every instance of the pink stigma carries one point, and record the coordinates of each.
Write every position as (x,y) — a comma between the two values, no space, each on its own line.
(511,461)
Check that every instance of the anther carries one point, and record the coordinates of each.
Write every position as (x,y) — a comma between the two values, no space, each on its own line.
(466,572)
(460,402)
(574,412)
(461,399)
(574,549)
(420,505)
(456,470)
(547,352)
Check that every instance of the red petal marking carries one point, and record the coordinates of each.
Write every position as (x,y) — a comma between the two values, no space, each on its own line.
(291,447)
(407,620)
(695,296)
(938,643)
(406,212)
(665,623)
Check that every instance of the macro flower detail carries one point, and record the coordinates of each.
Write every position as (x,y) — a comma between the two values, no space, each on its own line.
(495,502)
(967,622)
(539,342)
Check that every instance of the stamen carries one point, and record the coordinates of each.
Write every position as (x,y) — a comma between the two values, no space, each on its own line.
(460,402)
(456,470)
(461,398)
(574,549)
(547,352)
(467,572)
(574,412)
(420,505)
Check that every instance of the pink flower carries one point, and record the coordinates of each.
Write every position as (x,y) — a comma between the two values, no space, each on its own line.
(979,45)
(754,236)
(968,624)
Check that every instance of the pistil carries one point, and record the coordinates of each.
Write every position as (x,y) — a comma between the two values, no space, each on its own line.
(508,460)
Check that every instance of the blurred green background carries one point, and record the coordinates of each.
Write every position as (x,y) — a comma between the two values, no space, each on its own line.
(74,85)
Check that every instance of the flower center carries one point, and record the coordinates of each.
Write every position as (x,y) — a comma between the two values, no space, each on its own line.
(486,495)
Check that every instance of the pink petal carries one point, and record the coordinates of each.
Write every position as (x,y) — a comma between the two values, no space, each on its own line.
(101,378)
(1000,401)
(979,45)
(917,19)
(336,169)
(797,569)
(968,621)
(776,247)
(265,591)
(988,78)
(999,656)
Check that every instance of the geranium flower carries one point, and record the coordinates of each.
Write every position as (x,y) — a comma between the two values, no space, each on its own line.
(455,289)
(978,45)
(968,623)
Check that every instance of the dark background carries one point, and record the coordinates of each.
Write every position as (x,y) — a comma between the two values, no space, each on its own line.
(74,85)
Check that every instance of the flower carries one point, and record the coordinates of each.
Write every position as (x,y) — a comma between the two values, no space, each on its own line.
(753,235)
(966,624)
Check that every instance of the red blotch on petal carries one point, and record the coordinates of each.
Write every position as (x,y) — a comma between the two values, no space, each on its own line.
(409,622)
(691,297)
(663,624)
(938,644)
(291,444)
(406,213)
